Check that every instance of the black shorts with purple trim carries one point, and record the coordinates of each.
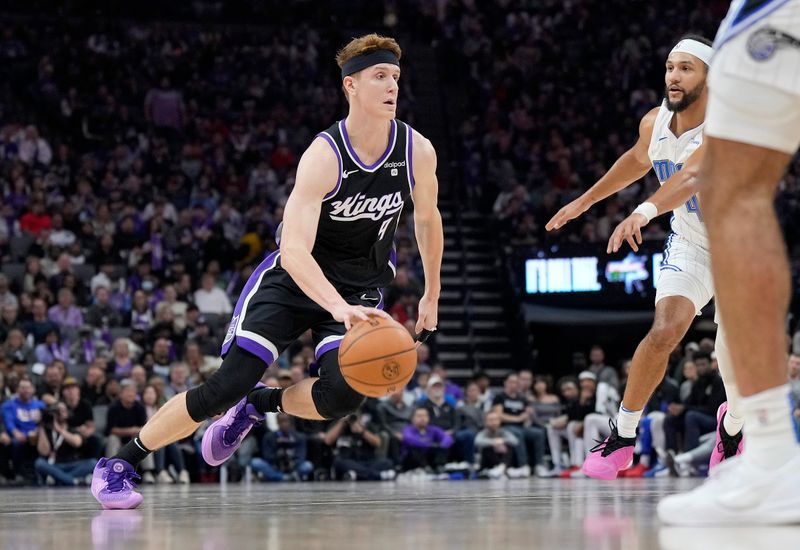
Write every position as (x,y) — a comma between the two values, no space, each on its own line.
(272,312)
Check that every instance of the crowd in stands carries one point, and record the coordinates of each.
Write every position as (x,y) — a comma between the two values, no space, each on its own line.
(55,426)
(561,93)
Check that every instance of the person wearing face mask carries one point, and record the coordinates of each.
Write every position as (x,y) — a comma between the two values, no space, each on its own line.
(141,315)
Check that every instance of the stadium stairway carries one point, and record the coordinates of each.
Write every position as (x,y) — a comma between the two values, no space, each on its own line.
(473,327)
(473,330)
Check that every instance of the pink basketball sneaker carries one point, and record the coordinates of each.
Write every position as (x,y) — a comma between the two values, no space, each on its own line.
(725,446)
(606,459)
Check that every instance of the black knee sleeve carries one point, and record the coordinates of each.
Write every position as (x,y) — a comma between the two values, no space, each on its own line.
(333,397)
(240,371)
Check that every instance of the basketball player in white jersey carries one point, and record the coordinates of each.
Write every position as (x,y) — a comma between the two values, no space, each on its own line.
(671,141)
(753,131)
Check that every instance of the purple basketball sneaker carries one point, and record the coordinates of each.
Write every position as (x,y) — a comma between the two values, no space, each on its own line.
(113,484)
(225,435)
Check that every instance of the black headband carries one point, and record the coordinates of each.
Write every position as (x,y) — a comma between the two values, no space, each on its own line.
(361,62)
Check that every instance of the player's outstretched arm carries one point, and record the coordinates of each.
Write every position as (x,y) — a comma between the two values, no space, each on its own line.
(317,175)
(679,188)
(631,166)
(428,228)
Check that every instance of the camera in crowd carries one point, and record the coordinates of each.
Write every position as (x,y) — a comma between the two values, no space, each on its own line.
(56,410)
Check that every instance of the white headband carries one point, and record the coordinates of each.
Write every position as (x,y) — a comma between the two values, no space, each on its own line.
(701,51)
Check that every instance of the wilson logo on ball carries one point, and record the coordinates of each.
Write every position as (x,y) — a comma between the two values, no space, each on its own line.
(391,370)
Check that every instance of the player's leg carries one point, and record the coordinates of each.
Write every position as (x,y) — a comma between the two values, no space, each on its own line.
(752,131)
(267,306)
(729,437)
(182,414)
(114,478)
(673,316)
(298,400)
(751,268)
(274,313)
(328,396)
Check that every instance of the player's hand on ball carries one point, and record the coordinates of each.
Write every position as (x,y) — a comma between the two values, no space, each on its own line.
(350,315)
(567,213)
(630,230)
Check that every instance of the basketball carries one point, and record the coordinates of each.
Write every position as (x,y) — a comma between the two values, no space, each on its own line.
(377,357)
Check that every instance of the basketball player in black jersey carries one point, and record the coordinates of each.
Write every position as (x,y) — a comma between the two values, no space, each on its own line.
(336,253)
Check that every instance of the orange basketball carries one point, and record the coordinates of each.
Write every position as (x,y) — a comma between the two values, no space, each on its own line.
(377,357)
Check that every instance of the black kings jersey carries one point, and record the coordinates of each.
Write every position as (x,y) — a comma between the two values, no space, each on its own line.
(359,217)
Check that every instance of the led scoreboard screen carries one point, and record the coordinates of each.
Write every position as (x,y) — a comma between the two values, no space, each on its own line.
(585,276)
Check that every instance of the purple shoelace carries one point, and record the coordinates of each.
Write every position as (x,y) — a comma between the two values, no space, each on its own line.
(240,422)
(116,480)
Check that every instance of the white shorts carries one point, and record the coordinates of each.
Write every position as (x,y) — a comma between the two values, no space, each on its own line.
(685,271)
(754,83)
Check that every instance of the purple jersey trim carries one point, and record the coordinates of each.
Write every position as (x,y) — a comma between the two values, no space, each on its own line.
(330,141)
(328,347)
(354,156)
(268,263)
(409,156)
(255,348)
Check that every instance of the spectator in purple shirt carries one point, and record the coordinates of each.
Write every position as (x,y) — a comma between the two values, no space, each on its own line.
(164,107)
(66,315)
(452,391)
(424,445)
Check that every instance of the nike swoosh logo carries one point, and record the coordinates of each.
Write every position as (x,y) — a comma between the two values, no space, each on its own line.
(663,138)
(365,297)
(347,173)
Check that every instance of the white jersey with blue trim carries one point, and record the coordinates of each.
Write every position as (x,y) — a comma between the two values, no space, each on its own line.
(668,154)
(770,30)
(743,14)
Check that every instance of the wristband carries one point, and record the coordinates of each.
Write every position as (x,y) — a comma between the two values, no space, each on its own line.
(648,210)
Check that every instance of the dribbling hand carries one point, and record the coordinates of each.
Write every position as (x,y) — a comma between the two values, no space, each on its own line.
(350,315)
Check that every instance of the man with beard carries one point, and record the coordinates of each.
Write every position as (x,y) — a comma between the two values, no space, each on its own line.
(671,141)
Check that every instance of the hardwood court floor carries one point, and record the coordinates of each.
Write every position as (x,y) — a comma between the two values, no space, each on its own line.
(530,514)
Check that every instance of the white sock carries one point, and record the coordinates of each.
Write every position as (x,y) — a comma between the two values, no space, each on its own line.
(732,423)
(770,436)
(734,419)
(627,421)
